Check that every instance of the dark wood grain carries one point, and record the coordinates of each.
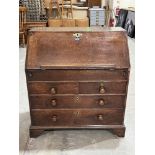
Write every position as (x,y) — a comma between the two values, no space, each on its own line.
(120,132)
(91,3)
(109,87)
(60,87)
(77,117)
(77,75)
(77,101)
(75,87)
(94,49)
(80,83)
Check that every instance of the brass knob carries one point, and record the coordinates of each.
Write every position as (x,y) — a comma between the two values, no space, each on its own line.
(101,102)
(53,102)
(54,118)
(53,91)
(100,117)
(102,90)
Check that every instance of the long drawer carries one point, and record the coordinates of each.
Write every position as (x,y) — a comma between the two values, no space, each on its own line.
(77,75)
(109,87)
(76,117)
(77,101)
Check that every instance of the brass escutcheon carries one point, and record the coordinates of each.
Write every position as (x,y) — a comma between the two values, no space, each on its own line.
(77,36)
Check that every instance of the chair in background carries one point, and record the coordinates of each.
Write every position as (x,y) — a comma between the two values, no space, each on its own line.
(54,4)
(22,23)
(67,4)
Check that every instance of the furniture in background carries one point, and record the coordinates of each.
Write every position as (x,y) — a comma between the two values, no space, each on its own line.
(82,22)
(126,20)
(130,24)
(97,16)
(36,11)
(109,17)
(54,5)
(54,22)
(35,15)
(67,5)
(22,23)
(91,3)
(80,82)
(79,12)
(121,18)
(68,22)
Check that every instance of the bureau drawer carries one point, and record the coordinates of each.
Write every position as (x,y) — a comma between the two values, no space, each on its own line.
(77,101)
(71,75)
(53,88)
(101,101)
(52,102)
(76,117)
(102,88)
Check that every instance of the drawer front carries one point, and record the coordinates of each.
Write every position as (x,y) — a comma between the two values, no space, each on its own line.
(52,117)
(102,88)
(101,22)
(97,13)
(99,16)
(53,88)
(70,75)
(92,20)
(97,20)
(52,102)
(92,23)
(101,101)
(76,117)
(77,101)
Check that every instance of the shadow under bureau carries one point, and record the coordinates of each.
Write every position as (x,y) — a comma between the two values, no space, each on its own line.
(77,78)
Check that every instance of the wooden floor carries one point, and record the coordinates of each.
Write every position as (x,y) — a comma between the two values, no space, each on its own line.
(75,142)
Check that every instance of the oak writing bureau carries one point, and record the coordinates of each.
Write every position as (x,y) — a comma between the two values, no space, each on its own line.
(77,78)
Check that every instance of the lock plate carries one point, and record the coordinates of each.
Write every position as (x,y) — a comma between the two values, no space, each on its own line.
(77,36)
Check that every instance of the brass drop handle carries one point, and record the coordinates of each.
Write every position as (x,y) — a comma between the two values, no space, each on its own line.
(53,102)
(53,91)
(102,90)
(54,118)
(101,102)
(100,117)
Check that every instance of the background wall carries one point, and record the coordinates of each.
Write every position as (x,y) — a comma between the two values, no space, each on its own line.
(124,3)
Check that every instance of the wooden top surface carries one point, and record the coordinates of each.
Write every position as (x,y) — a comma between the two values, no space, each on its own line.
(74,29)
(58,48)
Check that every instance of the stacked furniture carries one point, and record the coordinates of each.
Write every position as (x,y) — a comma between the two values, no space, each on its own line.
(67,5)
(68,22)
(97,16)
(35,10)
(22,24)
(35,15)
(91,3)
(126,20)
(77,79)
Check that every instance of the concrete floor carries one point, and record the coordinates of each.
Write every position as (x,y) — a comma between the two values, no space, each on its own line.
(75,142)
